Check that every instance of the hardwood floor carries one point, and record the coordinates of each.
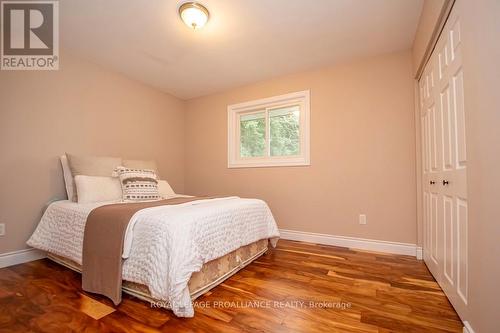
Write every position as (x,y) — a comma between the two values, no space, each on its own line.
(296,287)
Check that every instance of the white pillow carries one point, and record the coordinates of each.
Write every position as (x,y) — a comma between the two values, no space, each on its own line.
(98,189)
(68,178)
(165,190)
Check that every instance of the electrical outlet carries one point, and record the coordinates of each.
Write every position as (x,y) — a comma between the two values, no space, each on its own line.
(2,229)
(362,219)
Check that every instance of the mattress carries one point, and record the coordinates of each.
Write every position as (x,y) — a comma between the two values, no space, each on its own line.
(211,274)
(170,243)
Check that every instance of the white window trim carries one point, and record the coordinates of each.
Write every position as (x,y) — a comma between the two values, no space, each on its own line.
(233,111)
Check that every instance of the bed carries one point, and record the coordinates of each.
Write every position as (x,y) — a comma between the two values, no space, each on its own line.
(172,254)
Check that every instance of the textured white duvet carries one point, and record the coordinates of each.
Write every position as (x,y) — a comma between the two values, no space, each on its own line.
(164,245)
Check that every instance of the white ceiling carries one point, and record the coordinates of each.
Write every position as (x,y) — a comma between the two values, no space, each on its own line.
(244,41)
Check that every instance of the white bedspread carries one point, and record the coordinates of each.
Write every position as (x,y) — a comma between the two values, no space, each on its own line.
(165,244)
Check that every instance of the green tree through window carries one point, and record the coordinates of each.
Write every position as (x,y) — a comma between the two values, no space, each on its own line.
(253,135)
(284,129)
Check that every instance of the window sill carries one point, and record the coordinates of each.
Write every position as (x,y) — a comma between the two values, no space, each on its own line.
(270,163)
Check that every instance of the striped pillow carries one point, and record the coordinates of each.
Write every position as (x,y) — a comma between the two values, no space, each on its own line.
(138,184)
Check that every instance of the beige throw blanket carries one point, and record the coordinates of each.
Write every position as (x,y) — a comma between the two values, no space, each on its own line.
(103,245)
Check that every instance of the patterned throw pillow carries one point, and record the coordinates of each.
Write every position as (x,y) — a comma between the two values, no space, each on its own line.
(138,184)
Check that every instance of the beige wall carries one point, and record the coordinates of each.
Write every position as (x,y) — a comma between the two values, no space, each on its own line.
(430,15)
(481,54)
(83,109)
(362,151)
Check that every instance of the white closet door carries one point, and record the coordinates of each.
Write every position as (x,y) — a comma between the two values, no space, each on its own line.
(444,166)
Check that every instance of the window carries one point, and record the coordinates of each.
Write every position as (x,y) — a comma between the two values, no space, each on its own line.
(269,132)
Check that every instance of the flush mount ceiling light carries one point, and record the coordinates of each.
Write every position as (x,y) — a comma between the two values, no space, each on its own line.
(193,14)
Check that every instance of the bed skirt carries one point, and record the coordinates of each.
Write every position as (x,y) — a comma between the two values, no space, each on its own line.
(211,274)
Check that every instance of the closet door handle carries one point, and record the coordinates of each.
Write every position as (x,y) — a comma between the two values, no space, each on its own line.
(445,182)
(432,182)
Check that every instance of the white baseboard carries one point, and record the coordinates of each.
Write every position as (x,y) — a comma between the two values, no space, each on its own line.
(467,328)
(353,242)
(420,253)
(20,257)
